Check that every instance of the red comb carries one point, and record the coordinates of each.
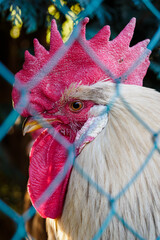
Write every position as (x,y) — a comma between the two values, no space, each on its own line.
(77,66)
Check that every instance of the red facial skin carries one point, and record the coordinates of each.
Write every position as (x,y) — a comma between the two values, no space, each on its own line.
(48,158)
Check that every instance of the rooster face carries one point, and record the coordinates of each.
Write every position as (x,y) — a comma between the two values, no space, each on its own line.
(48,157)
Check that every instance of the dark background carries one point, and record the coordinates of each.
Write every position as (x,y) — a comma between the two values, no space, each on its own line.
(36,20)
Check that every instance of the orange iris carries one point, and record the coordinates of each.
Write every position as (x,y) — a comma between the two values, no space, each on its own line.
(76,106)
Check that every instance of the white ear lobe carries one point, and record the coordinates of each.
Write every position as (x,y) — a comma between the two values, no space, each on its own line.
(91,128)
(97,110)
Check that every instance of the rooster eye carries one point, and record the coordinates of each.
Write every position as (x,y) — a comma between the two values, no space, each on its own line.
(76,106)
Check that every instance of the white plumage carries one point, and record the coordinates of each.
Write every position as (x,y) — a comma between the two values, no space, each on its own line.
(111,160)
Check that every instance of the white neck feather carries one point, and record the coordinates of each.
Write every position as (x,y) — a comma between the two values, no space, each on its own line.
(111,160)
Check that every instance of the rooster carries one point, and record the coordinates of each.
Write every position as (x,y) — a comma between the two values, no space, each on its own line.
(77,98)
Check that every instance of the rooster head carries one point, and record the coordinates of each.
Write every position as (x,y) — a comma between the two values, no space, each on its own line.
(60,99)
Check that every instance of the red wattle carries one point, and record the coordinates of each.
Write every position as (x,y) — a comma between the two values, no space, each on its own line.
(47,159)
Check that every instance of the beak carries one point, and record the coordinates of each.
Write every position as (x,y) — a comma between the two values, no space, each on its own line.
(31,125)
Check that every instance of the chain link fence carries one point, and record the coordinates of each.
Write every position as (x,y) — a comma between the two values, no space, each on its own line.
(21,220)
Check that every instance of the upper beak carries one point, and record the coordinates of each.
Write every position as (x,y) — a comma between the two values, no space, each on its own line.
(31,125)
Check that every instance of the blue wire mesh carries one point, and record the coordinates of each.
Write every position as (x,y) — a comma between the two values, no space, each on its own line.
(21,220)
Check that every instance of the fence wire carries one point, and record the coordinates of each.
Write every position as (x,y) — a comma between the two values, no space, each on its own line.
(21,220)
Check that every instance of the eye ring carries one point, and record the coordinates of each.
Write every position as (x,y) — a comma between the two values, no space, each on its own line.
(76,106)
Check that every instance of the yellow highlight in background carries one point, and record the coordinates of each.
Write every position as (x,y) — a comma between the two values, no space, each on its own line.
(48,35)
(17,21)
(15,32)
(67,28)
(76,8)
(52,10)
